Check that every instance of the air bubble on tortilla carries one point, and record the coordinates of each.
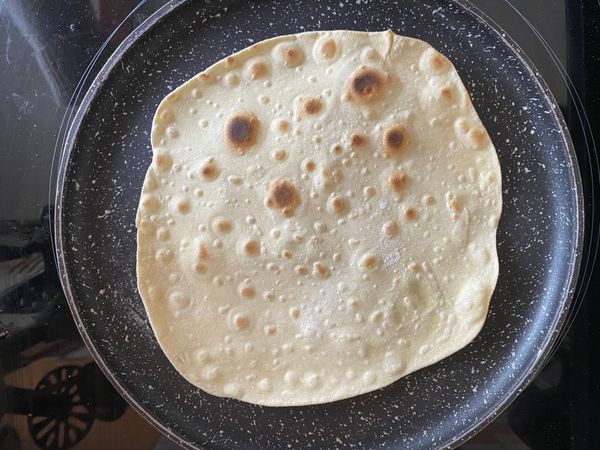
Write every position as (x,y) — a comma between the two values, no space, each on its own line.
(337,204)
(320,270)
(150,203)
(209,170)
(221,225)
(250,247)
(326,49)
(166,116)
(279,154)
(205,77)
(232,79)
(181,205)
(288,54)
(433,62)
(162,161)
(257,68)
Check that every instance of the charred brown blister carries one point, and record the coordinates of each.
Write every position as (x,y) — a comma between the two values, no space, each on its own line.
(310,107)
(365,85)
(283,196)
(395,139)
(241,131)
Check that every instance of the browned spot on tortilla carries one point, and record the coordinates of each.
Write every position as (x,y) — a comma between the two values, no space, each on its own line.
(222,225)
(328,49)
(320,270)
(283,195)
(477,137)
(203,251)
(446,93)
(410,213)
(462,125)
(241,322)
(338,204)
(301,270)
(241,130)
(397,181)
(292,55)
(251,247)
(436,61)
(150,203)
(247,291)
(163,161)
(183,206)
(283,126)
(209,170)
(454,205)
(357,140)
(395,139)
(336,149)
(309,165)
(205,77)
(311,107)
(258,69)
(366,84)
(279,154)
(369,262)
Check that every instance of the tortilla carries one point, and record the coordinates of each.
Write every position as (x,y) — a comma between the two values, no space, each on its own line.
(319,218)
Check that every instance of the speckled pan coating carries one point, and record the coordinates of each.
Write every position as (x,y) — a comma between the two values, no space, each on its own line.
(108,150)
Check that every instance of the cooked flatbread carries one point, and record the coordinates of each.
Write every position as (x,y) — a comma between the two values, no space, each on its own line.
(319,218)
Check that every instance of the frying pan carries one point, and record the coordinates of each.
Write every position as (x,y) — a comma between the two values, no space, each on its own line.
(107,151)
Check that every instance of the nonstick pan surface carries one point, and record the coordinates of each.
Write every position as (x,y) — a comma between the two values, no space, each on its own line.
(108,150)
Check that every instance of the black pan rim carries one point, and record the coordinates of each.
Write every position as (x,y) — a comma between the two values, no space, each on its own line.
(96,86)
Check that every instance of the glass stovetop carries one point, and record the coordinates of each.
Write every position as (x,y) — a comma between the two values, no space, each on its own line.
(45,48)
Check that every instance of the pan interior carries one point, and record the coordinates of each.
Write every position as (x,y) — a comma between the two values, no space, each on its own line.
(435,406)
